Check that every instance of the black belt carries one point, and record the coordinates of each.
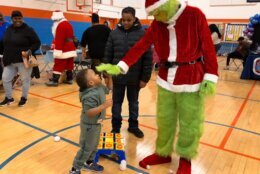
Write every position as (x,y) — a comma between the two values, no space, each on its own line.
(174,64)
(69,40)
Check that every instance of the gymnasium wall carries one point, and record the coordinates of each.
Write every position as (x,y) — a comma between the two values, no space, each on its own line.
(230,9)
(37,13)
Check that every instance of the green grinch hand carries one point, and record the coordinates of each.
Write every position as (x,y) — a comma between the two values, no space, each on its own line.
(207,88)
(110,69)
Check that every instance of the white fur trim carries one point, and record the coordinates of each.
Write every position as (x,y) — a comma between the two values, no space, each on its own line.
(57,15)
(177,88)
(57,72)
(124,67)
(172,43)
(58,54)
(179,12)
(155,5)
(171,74)
(211,77)
(55,25)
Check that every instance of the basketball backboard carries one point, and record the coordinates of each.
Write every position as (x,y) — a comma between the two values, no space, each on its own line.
(80,6)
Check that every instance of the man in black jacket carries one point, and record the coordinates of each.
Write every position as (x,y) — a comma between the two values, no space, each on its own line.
(95,38)
(128,32)
(19,41)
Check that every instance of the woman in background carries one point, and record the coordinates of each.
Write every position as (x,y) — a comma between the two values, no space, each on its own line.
(216,36)
(19,41)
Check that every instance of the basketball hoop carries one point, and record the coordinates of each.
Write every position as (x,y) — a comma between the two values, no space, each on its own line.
(80,6)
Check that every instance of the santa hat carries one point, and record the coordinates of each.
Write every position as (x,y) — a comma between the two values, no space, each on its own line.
(151,5)
(57,15)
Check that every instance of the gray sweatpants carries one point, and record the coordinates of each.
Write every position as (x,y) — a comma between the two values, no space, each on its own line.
(89,139)
(9,72)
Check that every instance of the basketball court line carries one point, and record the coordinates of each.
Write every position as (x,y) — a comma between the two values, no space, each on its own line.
(234,122)
(49,134)
(51,98)
(64,94)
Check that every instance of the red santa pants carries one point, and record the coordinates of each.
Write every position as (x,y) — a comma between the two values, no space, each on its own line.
(61,65)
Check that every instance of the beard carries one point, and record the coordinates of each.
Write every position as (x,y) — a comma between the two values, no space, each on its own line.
(54,27)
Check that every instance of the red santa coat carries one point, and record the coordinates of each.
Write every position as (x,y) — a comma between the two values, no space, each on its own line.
(184,39)
(64,47)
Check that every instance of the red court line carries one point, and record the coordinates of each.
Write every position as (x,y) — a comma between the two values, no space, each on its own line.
(234,122)
(64,94)
(231,151)
(52,99)
(149,127)
(143,125)
(210,145)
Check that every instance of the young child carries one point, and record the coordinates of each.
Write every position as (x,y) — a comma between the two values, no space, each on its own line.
(127,33)
(92,97)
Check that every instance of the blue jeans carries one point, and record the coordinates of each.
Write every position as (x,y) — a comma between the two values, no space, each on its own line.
(9,72)
(118,98)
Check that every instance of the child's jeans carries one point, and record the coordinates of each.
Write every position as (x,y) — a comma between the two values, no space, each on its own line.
(118,98)
(89,139)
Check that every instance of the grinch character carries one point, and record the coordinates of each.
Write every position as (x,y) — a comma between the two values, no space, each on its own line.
(187,73)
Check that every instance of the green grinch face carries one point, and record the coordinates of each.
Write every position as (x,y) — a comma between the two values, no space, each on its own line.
(165,12)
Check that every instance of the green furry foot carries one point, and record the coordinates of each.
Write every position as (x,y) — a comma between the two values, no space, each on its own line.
(207,88)
(110,69)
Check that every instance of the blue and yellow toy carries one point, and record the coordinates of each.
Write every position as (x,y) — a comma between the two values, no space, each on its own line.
(112,144)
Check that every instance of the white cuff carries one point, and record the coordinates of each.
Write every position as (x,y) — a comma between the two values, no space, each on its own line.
(123,66)
(211,77)
(57,53)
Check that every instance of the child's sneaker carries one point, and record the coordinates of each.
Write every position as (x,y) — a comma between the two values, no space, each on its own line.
(94,167)
(6,101)
(74,171)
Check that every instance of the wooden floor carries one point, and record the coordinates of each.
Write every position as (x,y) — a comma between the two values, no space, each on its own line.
(230,144)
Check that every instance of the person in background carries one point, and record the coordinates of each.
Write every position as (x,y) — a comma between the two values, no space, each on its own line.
(3,26)
(19,41)
(241,52)
(64,49)
(216,36)
(255,47)
(95,38)
(107,23)
(94,104)
(128,32)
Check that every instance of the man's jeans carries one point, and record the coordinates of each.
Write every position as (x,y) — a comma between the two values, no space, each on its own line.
(118,98)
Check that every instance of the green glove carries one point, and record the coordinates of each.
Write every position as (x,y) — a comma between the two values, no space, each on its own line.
(110,69)
(207,88)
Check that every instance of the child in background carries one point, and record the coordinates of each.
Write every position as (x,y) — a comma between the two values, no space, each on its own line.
(128,32)
(94,104)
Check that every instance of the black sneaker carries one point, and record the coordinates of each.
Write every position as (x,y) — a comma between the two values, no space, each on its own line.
(22,102)
(6,101)
(136,131)
(115,131)
(94,167)
(69,82)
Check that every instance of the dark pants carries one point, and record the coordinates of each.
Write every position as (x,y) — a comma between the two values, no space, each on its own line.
(217,47)
(118,98)
(235,55)
(1,68)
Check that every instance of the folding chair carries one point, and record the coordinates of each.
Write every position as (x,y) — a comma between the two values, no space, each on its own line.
(237,63)
(80,64)
(43,49)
